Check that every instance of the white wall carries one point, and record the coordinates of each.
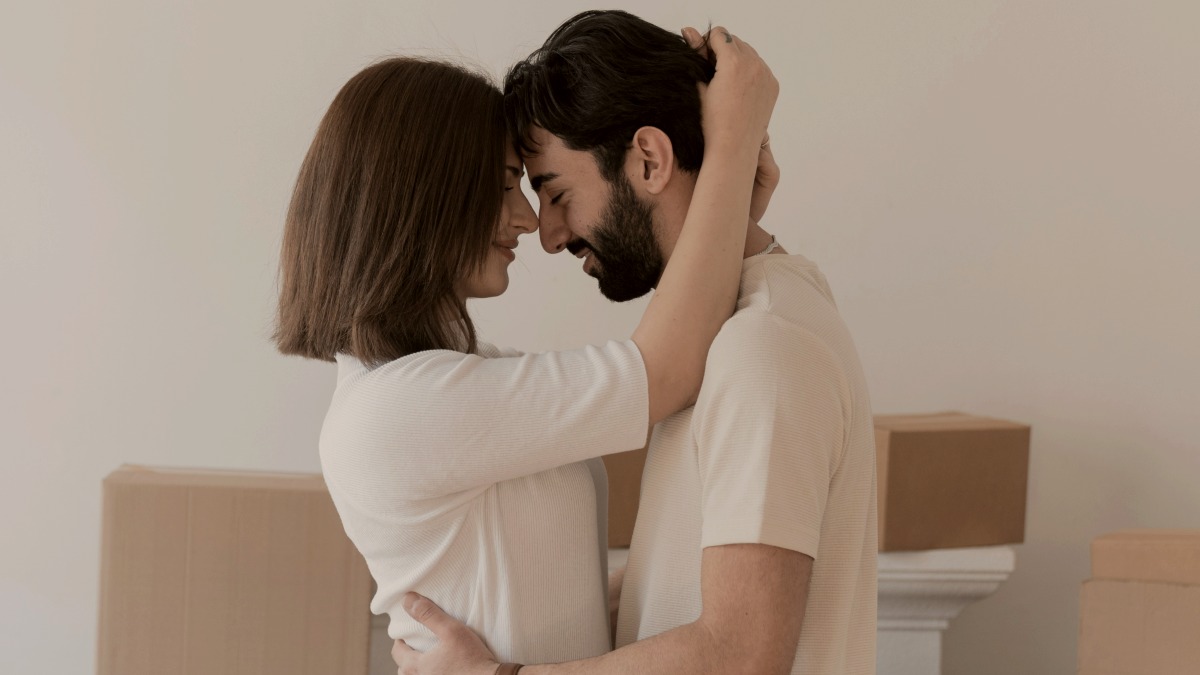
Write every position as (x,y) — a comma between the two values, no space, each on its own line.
(1003,195)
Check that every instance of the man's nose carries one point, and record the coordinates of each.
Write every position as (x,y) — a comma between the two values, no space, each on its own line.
(554,233)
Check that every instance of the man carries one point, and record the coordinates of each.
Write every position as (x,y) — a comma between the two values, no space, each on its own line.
(755,545)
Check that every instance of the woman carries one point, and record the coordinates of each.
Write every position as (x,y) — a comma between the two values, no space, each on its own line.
(461,471)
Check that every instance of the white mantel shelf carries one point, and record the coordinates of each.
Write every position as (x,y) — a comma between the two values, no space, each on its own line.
(920,592)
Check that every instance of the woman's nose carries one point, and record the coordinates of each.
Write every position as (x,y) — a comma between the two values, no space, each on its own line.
(523,218)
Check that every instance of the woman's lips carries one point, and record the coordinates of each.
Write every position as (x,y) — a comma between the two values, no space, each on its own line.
(507,252)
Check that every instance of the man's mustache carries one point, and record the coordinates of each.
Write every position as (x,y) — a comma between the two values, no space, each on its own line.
(578,244)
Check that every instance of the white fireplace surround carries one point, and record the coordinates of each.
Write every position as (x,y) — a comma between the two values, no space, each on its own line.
(920,592)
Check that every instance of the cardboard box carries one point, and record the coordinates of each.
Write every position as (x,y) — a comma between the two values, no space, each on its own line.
(1139,628)
(1168,556)
(624,491)
(945,480)
(950,480)
(233,573)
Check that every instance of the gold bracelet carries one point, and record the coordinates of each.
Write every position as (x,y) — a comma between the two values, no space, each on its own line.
(509,668)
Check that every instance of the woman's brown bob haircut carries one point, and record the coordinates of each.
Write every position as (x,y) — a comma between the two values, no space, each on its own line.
(397,202)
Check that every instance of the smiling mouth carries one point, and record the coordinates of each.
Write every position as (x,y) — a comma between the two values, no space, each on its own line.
(581,249)
(507,248)
(589,262)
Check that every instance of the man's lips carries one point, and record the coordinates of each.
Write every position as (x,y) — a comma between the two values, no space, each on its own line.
(589,262)
(580,249)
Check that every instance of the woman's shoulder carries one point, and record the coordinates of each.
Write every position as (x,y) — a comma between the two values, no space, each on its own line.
(349,365)
(391,402)
(352,368)
(446,377)
(491,351)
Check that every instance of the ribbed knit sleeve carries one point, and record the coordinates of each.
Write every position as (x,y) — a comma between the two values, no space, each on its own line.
(442,422)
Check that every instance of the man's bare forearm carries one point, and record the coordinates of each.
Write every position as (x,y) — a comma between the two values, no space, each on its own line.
(754,605)
(754,601)
(687,650)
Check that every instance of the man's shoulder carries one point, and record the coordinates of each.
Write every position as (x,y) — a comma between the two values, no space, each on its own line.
(754,328)
(757,343)
(785,303)
(790,287)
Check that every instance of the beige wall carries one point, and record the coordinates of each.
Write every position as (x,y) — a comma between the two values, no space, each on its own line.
(1003,195)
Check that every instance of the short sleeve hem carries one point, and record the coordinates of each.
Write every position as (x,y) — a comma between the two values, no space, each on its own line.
(794,537)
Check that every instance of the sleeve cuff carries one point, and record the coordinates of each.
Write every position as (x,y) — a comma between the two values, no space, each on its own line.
(790,536)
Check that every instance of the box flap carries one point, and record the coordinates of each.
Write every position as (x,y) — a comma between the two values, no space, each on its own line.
(945,421)
(1168,556)
(130,474)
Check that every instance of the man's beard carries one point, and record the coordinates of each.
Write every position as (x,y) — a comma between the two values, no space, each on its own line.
(623,243)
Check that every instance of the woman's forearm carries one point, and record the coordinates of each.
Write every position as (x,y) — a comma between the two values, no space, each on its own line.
(698,290)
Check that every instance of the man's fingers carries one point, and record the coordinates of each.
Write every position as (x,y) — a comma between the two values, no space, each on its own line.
(428,614)
(401,653)
(400,650)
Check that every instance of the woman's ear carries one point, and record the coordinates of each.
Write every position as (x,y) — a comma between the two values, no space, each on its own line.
(650,163)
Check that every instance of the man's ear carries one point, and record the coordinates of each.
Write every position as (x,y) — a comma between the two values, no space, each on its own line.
(650,163)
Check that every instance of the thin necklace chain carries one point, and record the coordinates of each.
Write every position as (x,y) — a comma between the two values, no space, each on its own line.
(770,247)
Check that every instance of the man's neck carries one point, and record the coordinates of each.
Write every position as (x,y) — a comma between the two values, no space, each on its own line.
(673,210)
(758,241)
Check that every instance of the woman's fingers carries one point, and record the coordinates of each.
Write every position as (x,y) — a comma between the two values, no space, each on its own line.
(766,179)
(742,76)
(721,42)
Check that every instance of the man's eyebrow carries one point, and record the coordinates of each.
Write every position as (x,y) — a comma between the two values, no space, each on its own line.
(516,171)
(537,181)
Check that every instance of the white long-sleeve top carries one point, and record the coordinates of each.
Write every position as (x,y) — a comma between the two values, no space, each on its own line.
(472,479)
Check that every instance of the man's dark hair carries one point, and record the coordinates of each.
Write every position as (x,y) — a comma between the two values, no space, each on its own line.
(600,77)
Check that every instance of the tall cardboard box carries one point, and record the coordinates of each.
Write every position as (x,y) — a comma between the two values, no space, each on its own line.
(206,573)
(950,480)
(1140,613)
